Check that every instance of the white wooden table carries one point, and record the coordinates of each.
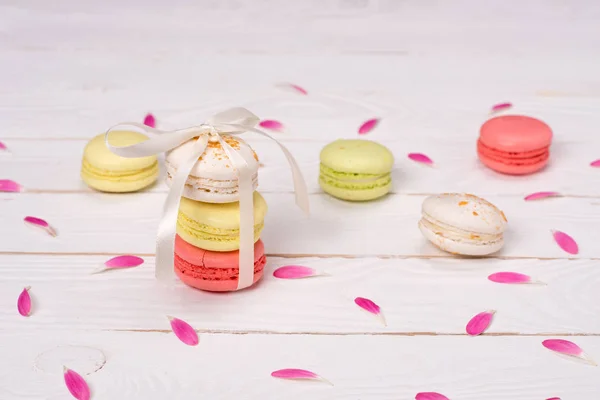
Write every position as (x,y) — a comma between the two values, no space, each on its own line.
(430,69)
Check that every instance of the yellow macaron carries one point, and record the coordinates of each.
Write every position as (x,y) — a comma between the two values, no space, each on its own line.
(104,171)
(216,226)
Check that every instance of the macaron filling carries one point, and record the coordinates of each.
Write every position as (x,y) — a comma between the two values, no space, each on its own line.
(458,235)
(214,274)
(191,228)
(353,181)
(516,158)
(223,187)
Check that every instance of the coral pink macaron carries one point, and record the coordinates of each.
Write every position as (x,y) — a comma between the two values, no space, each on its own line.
(214,271)
(514,144)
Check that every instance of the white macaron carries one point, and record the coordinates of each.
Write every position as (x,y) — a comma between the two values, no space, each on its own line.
(213,178)
(463,224)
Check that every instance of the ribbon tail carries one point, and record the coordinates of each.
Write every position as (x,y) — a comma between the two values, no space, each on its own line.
(160,141)
(167,228)
(300,189)
(246,203)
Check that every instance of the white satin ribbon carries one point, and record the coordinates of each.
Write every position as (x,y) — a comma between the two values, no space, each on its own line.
(230,122)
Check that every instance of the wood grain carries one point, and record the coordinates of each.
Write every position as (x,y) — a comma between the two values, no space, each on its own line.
(436,296)
(156,365)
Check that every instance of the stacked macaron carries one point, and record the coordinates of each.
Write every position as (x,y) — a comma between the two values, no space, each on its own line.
(208,223)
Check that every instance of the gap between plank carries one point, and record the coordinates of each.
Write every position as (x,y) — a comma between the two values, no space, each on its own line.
(309,333)
(382,256)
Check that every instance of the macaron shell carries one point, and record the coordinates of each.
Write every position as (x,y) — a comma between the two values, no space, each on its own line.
(465,212)
(515,134)
(224,215)
(99,156)
(214,163)
(213,271)
(461,247)
(357,156)
(219,241)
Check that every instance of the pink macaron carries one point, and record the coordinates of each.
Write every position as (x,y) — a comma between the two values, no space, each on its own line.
(514,144)
(211,270)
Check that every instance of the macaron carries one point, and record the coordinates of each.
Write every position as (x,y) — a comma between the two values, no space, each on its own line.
(213,178)
(463,224)
(514,144)
(104,171)
(216,226)
(356,170)
(211,270)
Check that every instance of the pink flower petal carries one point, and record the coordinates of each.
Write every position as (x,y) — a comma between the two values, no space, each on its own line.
(295,272)
(541,195)
(76,384)
(184,331)
(420,158)
(595,163)
(371,307)
(479,323)
(510,277)
(150,121)
(563,346)
(293,87)
(501,106)
(554,398)
(567,348)
(124,262)
(565,242)
(120,262)
(3,147)
(40,223)
(6,185)
(272,125)
(368,126)
(24,302)
(294,373)
(430,396)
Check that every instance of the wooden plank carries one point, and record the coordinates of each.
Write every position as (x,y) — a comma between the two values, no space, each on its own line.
(417,296)
(92,222)
(53,165)
(157,366)
(332,113)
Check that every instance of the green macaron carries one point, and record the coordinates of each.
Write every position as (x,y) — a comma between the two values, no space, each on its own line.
(356,170)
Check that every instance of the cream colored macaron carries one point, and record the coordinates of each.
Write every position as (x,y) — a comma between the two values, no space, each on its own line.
(463,224)
(104,171)
(214,178)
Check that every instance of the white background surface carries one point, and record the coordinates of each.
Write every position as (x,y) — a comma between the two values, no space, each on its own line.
(430,69)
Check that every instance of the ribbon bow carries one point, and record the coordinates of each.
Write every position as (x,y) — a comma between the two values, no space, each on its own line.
(230,122)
